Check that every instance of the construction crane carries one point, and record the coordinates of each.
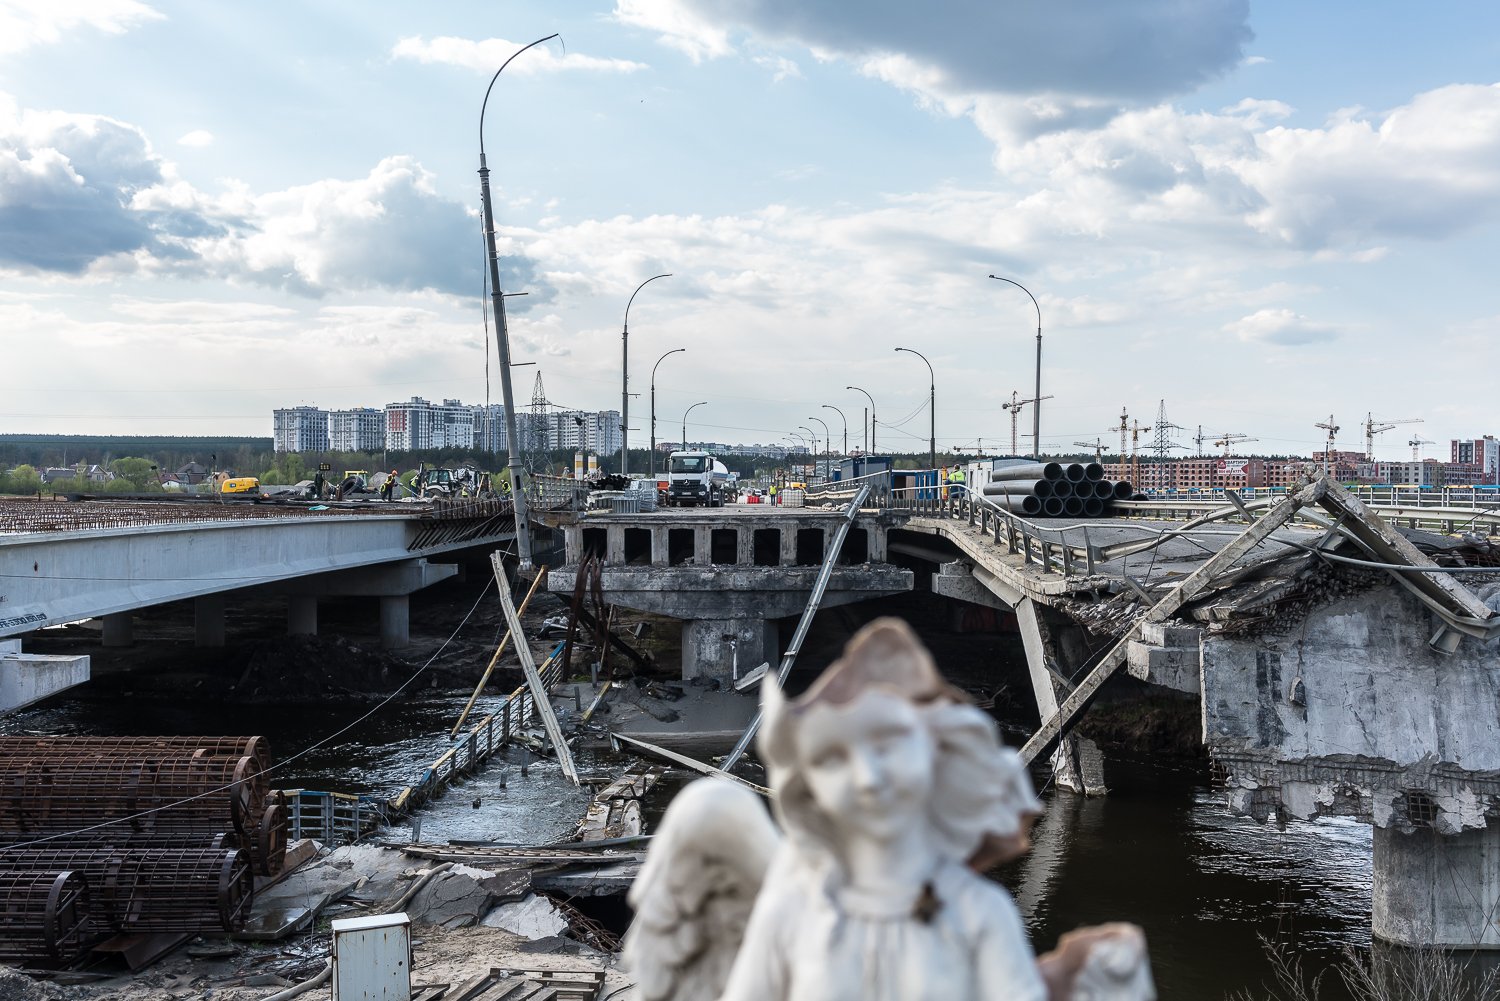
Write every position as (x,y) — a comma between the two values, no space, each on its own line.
(1097,445)
(1199,439)
(1014,406)
(1332,428)
(1416,447)
(1123,428)
(1232,439)
(1135,455)
(1374,427)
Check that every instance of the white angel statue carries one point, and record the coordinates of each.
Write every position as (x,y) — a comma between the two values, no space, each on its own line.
(894,794)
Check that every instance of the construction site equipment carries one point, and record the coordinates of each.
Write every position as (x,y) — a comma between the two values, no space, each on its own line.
(1052,489)
(131,835)
(45,917)
(1374,427)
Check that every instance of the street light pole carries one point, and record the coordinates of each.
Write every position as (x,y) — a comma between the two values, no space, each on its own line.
(651,458)
(870,445)
(625,376)
(684,422)
(1036,407)
(502,333)
(827,441)
(931,406)
(830,406)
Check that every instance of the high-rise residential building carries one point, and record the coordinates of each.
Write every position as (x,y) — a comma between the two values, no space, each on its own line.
(452,425)
(408,425)
(359,430)
(489,427)
(596,430)
(300,429)
(1481,452)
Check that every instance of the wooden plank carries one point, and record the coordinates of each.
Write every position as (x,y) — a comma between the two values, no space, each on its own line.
(543,702)
(641,746)
(499,650)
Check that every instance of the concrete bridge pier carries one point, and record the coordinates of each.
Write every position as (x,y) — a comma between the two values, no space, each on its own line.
(727,648)
(27,678)
(1434,889)
(392,583)
(302,615)
(117,629)
(208,620)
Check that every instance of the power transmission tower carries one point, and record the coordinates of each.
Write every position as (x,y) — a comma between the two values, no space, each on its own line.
(537,443)
(1161,444)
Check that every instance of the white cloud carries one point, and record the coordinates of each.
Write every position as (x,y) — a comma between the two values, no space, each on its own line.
(26,23)
(197,137)
(781,67)
(488,55)
(679,26)
(1282,327)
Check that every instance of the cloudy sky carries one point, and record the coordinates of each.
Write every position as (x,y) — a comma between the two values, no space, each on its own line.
(1261,213)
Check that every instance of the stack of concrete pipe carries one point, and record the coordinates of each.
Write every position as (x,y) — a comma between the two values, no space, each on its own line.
(1055,490)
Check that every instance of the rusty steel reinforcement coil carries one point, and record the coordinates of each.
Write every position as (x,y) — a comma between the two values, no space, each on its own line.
(270,834)
(153,890)
(45,917)
(47,794)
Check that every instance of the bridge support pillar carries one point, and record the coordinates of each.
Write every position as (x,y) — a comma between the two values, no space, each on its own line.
(659,557)
(208,620)
(302,615)
(117,629)
(713,648)
(395,620)
(788,547)
(1077,764)
(614,544)
(1434,889)
(703,547)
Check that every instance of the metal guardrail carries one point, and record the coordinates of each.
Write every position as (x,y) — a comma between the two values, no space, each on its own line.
(1443,520)
(1066,550)
(336,818)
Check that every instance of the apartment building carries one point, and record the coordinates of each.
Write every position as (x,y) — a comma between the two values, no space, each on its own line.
(361,429)
(300,429)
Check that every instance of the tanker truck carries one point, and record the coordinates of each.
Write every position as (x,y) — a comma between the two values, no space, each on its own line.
(696,478)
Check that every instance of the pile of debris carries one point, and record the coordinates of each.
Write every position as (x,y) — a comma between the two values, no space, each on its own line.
(116,836)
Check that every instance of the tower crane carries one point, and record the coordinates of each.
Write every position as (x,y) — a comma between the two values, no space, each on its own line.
(1416,447)
(1232,439)
(1374,427)
(1014,406)
(1200,438)
(1135,455)
(1123,428)
(1097,445)
(1332,428)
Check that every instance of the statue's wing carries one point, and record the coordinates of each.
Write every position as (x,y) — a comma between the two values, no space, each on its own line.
(693,896)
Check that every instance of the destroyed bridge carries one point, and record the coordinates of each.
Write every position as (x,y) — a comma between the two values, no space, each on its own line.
(1344,663)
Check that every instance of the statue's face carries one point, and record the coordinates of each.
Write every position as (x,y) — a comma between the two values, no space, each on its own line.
(868,763)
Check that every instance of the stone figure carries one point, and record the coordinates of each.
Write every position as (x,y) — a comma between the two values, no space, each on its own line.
(894,794)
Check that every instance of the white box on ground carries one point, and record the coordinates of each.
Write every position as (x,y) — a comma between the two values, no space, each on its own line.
(372,958)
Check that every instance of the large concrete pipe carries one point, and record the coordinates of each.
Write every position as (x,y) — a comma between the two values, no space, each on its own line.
(1093,507)
(1073,507)
(1123,490)
(1103,489)
(1074,471)
(1042,488)
(1093,471)
(1028,471)
(1052,507)
(1064,488)
(1018,503)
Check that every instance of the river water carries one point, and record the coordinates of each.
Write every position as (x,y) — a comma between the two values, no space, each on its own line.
(1160,850)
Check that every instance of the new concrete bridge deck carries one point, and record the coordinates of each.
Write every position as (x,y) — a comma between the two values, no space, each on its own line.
(63,562)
